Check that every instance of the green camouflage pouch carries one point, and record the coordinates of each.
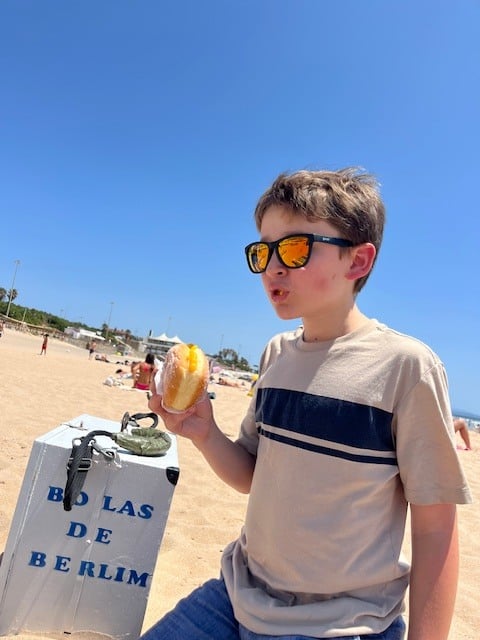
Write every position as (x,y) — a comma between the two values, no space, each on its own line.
(144,441)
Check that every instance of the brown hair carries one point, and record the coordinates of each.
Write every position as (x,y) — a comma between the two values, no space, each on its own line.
(349,199)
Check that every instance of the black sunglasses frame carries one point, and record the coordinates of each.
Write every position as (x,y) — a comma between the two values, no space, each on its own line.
(273,246)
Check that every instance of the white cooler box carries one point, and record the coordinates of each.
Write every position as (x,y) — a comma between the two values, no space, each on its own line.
(88,569)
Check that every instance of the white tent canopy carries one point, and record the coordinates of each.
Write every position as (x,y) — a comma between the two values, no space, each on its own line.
(164,338)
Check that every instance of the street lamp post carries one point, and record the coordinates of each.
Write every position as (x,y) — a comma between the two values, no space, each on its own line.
(17,262)
(108,321)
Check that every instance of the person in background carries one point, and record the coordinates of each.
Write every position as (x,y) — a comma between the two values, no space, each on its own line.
(91,349)
(102,357)
(43,352)
(349,427)
(143,373)
(461,428)
(252,385)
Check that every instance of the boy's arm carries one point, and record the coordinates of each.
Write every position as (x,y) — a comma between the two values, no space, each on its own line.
(229,460)
(434,574)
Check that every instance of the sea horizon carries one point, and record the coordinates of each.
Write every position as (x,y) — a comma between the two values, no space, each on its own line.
(467,415)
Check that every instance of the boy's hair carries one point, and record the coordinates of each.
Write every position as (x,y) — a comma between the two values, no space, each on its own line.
(349,199)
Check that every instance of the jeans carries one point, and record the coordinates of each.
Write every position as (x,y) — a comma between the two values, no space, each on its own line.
(207,614)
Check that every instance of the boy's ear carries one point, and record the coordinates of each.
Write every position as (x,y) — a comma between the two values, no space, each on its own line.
(362,258)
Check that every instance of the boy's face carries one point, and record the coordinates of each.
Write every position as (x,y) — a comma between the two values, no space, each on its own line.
(322,286)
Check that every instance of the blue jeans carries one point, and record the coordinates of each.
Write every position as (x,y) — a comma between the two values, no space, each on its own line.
(207,614)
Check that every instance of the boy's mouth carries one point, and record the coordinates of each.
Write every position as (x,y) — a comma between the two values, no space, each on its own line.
(278,294)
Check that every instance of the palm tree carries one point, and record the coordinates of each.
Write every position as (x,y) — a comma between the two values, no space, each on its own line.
(228,356)
(12,294)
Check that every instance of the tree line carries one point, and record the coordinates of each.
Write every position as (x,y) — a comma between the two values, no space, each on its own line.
(225,357)
(230,358)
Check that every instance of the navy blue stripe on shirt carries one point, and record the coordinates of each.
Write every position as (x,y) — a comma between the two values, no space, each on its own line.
(340,421)
(308,446)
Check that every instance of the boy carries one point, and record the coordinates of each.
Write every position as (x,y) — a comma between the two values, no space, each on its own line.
(350,422)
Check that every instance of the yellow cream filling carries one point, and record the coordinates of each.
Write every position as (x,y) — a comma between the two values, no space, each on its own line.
(192,357)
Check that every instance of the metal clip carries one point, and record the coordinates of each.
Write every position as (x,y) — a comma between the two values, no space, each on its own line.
(109,454)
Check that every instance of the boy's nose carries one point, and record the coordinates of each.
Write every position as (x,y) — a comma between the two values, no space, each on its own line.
(274,266)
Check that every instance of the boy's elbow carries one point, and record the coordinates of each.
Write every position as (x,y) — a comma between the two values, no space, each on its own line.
(243,481)
(244,488)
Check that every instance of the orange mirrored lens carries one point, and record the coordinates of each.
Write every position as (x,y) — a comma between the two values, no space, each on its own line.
(294,251)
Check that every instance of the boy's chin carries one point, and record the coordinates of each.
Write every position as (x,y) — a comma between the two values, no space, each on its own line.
(286,314)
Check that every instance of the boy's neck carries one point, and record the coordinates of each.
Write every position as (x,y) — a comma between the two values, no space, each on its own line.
(333,326)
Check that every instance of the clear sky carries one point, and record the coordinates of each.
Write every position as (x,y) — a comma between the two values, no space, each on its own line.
(136,137)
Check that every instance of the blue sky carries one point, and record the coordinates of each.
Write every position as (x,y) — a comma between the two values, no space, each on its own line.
(136,137)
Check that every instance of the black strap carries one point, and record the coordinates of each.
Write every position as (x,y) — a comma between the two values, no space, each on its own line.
(132,421)
(77,467)
(82,450)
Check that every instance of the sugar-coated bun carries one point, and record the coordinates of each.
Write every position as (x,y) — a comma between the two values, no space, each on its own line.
(184,377)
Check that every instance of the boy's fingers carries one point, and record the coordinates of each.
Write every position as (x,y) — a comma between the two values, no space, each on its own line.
(155,403)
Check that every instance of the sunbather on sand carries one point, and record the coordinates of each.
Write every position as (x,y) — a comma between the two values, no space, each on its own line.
(143,373)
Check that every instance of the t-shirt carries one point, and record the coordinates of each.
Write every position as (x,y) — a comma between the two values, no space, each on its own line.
(345,433)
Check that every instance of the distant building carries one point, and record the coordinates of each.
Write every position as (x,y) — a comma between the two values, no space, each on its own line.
(83,334)
(159,345)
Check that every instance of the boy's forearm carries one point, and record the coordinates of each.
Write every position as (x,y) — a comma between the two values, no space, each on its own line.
(230,461)
(434,575)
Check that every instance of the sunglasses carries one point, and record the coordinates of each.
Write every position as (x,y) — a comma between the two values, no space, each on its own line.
(292,251)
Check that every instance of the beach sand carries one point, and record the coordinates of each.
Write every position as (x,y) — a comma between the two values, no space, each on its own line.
(38,393)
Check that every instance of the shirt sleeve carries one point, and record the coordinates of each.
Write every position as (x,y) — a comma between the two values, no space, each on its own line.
(427,456)
(248,436)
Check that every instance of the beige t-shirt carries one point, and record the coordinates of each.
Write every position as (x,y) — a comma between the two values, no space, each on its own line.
(346,433)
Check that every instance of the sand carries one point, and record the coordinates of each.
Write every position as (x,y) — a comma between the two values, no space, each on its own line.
(38,393)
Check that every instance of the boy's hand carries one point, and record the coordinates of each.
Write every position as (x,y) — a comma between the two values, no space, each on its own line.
(229,460)
(195,423)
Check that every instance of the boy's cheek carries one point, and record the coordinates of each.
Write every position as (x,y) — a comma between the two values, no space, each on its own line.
(321,283)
